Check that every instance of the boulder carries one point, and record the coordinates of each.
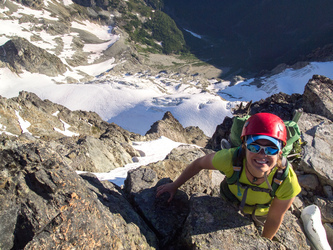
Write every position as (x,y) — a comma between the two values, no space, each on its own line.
(215,224)
(44,204)
(318,96)
(93,155)
(179,158)
(166,219)
(317,132)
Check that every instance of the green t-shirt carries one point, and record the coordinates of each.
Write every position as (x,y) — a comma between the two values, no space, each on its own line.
(289,188)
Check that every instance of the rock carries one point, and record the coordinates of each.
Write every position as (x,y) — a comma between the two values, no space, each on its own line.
(328,190)
(329,232)
(178,159)
(280,104)
(326,209)
(83,139)
(222,132)
(115,200)
(44,203)
(317,157)
(166,219)
(324,54)
(318,96)
(31,3)
(215,224)
(94,155)
(308,181)
(171,128)
(20,55)
(138,180)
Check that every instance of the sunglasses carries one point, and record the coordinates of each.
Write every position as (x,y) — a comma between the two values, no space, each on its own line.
(255,148)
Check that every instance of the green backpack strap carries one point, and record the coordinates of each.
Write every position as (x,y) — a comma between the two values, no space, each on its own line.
(279,176)
(237,165)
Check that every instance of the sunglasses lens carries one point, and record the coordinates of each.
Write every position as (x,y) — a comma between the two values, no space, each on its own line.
(271,151)
(254,148)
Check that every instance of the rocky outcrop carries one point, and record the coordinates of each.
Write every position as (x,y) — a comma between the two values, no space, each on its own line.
(38,4)
(318,158)
(321,54)
(45,203)
(83,139)
(202,221)
(171,128)
(19,54)
(318,97)
(214,224)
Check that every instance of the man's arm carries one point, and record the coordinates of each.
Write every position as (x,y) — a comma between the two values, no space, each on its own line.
(194,168)
(275,216)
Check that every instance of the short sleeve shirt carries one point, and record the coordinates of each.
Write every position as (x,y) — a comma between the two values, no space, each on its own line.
(289,188)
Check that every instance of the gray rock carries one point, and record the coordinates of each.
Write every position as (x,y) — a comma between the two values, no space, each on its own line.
(20,54)
(94,155)
(215,224)
(329,232)
(205,182)
(115,200)
(171,128)
(317,157)
(318,96)
(97,147)
(44,203)
(308,181)
(326,209)
(165,218)
(328,190)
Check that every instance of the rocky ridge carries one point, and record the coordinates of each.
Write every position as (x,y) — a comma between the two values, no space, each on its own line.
(44,203)
(79,136)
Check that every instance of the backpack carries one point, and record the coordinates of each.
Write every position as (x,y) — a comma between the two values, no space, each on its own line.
(293,132)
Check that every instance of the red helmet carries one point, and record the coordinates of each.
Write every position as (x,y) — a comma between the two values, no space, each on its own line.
(265,124)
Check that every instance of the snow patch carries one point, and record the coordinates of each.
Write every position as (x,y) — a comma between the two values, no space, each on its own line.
(23,123)
(66,132)
(152,151)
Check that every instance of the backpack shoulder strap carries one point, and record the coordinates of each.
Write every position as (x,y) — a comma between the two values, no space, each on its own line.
(279,176)
(237,165)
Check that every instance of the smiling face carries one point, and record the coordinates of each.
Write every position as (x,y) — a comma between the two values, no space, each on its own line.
(260,163)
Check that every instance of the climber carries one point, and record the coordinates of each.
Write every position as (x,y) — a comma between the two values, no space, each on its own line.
(250,181)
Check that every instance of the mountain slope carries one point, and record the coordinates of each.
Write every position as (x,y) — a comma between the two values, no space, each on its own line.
(253,35)
(109,74)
